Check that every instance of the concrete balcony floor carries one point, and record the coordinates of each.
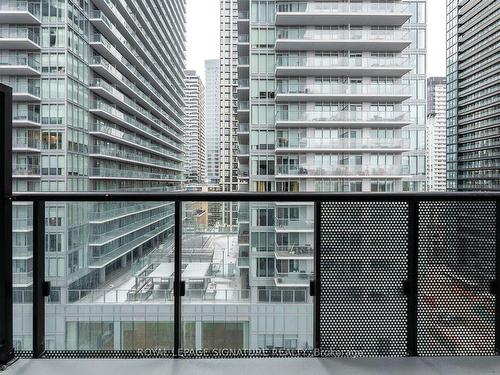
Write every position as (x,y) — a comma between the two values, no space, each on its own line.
(278,366)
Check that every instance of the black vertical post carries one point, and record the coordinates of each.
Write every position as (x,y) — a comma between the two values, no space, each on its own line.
(317,276)
(6,300)
(38,279)
(497,279)
(412,282)
(177,278)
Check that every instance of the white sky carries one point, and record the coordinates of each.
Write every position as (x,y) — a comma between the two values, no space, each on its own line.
(203,35)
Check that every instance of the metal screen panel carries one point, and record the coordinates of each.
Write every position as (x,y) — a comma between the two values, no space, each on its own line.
(456,310)
(363,266)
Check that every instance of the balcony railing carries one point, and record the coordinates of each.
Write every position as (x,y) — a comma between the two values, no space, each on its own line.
(343,89)
(381,257)
(346,143)
(341,170)
(339,7)
(333,35)
(343,116)
(336,62)
(20,59)
(20,6)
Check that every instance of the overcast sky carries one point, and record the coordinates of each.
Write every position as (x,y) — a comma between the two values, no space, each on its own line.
(203,35)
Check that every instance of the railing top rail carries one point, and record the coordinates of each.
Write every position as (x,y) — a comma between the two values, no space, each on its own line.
(247,196)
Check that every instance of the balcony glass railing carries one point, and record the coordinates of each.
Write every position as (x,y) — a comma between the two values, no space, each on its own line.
(243,106)
(294,251)
(333,88)
(23,142)
(111,130)
(243,15)
(293,278)
(351,35)
(128,209)
(25,170)
(104,237)
(243,83)
(346,143)
(30,116)
(20,33)
(20,6)
(132,174)
(339,7)
(112,110)
(301,223)
(243,128)
(372,116)
(98,38)
(98,60)
(22,278)
(244,60)
(133,157)
(17,59)
(332,62)
(21,86)
(341,170)
(243,38)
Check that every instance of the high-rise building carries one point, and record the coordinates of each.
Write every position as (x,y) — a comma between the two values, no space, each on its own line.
(473,99)
(196,141)
(230,131)
(436,134)
(335,97)
(212,105)
(98,106)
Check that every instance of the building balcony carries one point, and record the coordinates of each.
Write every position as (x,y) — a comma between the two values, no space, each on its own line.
(26,93)
(381,259)
(26,119)
(346,144)
(20,65)
(127,174)
(293,279)
(334,91)
(22,252)
(101,239)
(22,224)
(115,115)
(294,225)
(26,171)
(22,279)
(19,38)
(111,153)
(104,216)
(20,12)
(341,40)
(23,144)
(111,132)
(341,171)
(102,260)
(290,252)
(296,13)
(393,119)
(303,66)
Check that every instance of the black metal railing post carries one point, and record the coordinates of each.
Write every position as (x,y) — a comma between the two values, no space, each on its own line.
(38,279)
(317,277)
(412,282)
(6,289)
(177,278)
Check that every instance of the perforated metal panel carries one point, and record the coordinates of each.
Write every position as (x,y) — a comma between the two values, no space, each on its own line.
(456,311)
(363,265)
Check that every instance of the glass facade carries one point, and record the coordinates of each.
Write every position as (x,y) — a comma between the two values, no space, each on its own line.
(335,96)
(98,106)
(473,110)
